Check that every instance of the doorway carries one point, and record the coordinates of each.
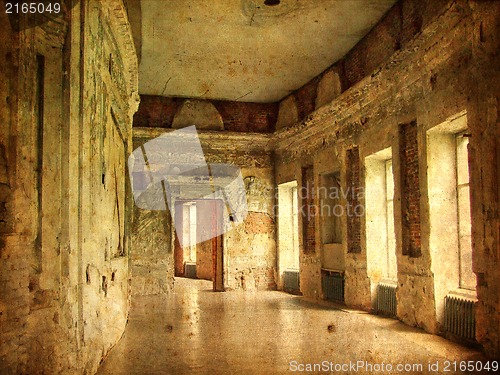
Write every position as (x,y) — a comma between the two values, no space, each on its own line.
(288,238)
(198,247)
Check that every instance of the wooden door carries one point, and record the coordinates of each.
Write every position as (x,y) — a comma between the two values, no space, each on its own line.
(204,233)
(217,248)
(178,251)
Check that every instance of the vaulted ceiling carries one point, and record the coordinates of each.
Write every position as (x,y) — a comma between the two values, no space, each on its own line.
(244,50)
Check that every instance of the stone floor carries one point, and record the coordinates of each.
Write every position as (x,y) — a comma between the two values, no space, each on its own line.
(197,331)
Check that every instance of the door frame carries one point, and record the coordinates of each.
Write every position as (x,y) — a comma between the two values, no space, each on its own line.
(178,249)
(218,248)
(217,242)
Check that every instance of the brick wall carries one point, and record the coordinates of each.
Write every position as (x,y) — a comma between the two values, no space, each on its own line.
(306,98)
(459,44)
(248,117)
(308,210)
(353,214)
(374,49)
(410,189)
(258,223)
(157,111)
(397,28)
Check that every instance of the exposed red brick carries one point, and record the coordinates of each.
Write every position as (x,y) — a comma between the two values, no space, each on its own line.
(396,29)
(375,48)
(305,98)
(411,21)
(410,189)
(352,211)
(258,223)
(158,111)
(248,117)
(308,210)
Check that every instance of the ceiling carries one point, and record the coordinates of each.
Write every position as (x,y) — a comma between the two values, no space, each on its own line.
(245,50)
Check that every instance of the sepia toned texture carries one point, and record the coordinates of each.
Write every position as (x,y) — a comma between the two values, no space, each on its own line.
(70,88)
(369,172)
(178,335)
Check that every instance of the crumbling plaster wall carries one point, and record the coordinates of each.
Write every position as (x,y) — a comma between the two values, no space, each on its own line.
(249,248)
(484,164)
(152,262)
(445,68)
(109,93)
(393,32)
(14,265)
(65,251)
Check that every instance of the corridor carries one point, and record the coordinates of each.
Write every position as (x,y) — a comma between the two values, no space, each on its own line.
(197,331)
(344,151)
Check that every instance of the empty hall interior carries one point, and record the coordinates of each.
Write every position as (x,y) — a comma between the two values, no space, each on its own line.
(249,186)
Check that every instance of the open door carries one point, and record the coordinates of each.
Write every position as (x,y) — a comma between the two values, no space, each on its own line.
(217,248)
(209,258)
(178,250)
(209,254)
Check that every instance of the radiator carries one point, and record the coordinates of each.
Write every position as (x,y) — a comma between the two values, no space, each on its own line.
(291,281)
(386,303)
(190,270)
(333,285)
(459,316)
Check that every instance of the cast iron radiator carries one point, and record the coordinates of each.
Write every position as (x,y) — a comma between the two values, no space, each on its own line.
(386,303)
(332,283)
(291,281)
(190,270)
(460,319)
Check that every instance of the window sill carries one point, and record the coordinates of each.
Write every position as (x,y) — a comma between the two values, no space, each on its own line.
(464,293)
(391,282)
(332,271)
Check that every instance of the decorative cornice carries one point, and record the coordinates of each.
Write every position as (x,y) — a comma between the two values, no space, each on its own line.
(119,22)
(218,141)
(347,115)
